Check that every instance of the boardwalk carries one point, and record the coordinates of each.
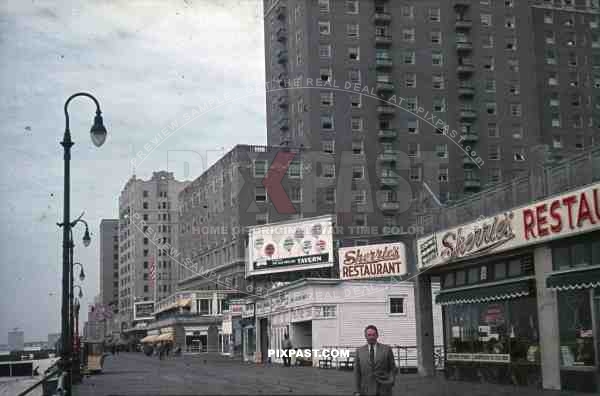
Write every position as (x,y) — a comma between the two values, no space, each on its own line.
(137,374)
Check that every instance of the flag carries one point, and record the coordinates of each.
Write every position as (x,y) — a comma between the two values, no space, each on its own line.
(152,269)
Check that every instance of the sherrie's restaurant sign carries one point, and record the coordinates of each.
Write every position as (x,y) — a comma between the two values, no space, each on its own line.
(558,217)
(372,261)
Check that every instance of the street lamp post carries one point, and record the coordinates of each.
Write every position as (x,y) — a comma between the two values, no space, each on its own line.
(98,134)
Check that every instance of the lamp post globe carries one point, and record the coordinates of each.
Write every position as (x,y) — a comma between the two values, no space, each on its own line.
(86,238)
(98,131)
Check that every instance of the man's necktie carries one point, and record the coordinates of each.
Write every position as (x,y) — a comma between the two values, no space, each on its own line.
(372,354)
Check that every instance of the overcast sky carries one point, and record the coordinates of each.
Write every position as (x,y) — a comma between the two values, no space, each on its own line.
(147,62)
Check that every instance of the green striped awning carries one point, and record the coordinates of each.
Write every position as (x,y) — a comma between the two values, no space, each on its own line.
(503,291)
(575,280)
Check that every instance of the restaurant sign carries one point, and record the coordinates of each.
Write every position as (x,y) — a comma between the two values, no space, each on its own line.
(558,217)
(372,261)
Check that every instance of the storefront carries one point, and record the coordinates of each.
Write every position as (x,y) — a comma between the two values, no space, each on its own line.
(520,293)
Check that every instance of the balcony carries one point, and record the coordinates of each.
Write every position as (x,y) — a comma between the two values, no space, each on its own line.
(467,114)
(389,180)
(283,123)
(384,86)
(470,137)
(281,34)
(382,18)
(466,91)
(383,63)
(464,46)
(390,205)
(387,134)
(385,109)
(472,183)
(282,56)
(463,24)
(381,39)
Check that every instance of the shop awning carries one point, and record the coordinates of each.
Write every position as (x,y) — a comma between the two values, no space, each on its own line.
(148,339)
(165,337)
(185,303)
(574,280)
(503,291)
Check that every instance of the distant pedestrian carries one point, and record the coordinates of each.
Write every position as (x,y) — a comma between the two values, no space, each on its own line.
(374,367)
(287,347)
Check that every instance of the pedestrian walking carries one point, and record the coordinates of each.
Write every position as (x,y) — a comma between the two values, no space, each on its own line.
(374,367)
(287,347)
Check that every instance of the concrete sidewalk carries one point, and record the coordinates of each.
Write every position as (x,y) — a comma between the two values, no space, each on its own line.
(137,374)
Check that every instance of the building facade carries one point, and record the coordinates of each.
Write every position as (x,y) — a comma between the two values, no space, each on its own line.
(508,79)
(520,285)
(16,340)
(109,263)
(148,224)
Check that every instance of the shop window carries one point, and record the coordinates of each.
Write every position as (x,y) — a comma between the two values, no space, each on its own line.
(460,278)
(575,329)
(473,275)
(596,253)
(449,280)
(514,267)
(499,270)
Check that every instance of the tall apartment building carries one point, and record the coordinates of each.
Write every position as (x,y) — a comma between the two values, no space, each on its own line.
(16,340)
(109,263)
(507,75)
(155,202)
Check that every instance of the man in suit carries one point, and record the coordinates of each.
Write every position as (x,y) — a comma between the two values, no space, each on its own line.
(374,367)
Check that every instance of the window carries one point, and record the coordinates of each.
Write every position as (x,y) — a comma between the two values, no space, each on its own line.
(396,305)
(490,108)
(410,80)
(579,142)
(260,168)
(145,252)
(441,150)
(145,205)
(327,122)
(411,104)
(414,174)
(407,11)
(328,146)
(324,6)
(494,152)
(358,172)
(576,328)
(408,35)
(514,88)
(550,37)
(359,197)
(493,130)
(436,38)
(412,126)
(330,195)
(326,99)
(548,17)
(296,194)
(552,79)
(352,30)
(439,104)
(354,75)
(145,217)
(509,22)
(354,53)
(511,44)
(408,57)
(437,58)
(554,100)
(356,124)
(324,28)
(438,81)
(443,175)
(519,155)
(513,65)
(355,101)
(357,147)
(434,14)
(486,19)
(509,3)
(325,73)
(490,85)
(204,306)
(260,194)
(352,6)
(145,194)
(329,171)
(295,169)
(495,175)
(413,150)
(488,63)
(555,117)
(488,41)
(325,51)
(515,109)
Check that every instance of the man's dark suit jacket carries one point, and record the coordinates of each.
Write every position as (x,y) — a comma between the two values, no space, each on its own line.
(378,378)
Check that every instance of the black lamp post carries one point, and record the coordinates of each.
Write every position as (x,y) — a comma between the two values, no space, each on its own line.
(98,135)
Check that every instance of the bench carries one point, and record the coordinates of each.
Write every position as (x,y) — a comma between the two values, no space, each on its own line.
(347,364)
(326,362)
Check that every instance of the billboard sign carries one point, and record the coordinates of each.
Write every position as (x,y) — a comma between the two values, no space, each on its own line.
(557,217)
(372,261)
(143,310)
(290,246)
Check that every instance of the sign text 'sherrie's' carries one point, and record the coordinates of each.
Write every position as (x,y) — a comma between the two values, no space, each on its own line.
(372,261)
(561,216)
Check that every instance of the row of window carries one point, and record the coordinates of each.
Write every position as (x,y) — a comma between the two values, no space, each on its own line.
(161,194)
(488,272)
(161,205)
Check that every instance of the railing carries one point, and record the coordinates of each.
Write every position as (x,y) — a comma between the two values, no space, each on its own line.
(406,357)
(54,370)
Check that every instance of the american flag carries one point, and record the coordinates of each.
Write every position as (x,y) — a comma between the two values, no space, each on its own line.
(152,269)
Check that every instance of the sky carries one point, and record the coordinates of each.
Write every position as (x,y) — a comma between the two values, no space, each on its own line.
(148,63)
